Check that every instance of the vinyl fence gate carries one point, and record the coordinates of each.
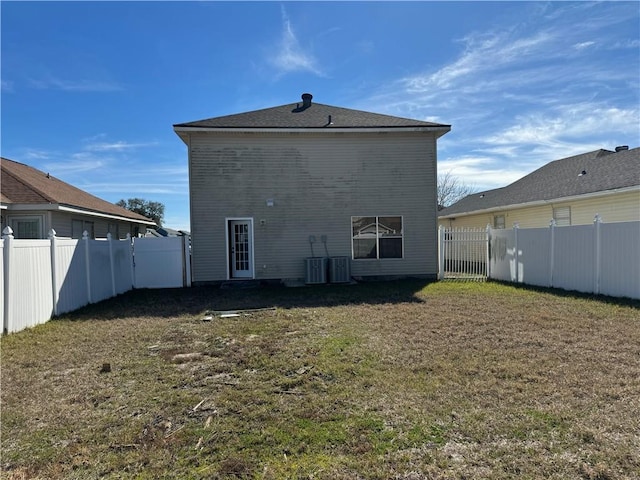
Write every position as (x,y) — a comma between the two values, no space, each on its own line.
(463,253)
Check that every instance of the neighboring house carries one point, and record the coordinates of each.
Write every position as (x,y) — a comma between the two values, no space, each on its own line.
(162,232)
(571,191)
(33,202)
(270,188)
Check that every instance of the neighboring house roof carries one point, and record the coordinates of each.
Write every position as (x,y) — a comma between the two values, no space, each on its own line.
(308,115)
(588,173)
(165,232)
(26,186)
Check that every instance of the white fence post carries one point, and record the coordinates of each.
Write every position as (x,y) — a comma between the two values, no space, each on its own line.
(552,249)
(488,250)
(516,256)
(87,257)
(597,221)
(54,276)
(112,265)
(186,257)
(7,235)
(132,260)
(441,252)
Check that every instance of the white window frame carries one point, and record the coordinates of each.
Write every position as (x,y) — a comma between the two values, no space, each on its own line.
(401,217)
(22,218)
(496,222)
(562,216)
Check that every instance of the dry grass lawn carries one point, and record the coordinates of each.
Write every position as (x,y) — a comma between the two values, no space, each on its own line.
(400,380)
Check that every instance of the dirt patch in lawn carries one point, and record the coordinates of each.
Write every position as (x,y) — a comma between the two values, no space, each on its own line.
(402,380)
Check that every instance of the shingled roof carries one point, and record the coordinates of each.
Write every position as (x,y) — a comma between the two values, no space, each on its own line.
(308,115)
(25,185)
(588,173)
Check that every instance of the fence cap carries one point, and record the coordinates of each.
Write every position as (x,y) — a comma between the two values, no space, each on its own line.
(7,231)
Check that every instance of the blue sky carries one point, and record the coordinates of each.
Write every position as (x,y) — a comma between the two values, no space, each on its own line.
(91,90)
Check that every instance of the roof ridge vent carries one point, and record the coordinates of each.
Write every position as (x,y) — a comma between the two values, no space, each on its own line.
(622,148)
(306,100)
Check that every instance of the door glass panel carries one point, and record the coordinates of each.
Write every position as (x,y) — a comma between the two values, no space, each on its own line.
(241,241)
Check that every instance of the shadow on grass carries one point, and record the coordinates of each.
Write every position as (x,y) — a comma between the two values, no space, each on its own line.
(620,301)
(197,300)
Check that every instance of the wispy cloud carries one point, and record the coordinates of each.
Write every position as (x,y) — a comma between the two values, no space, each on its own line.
(484,53)
(95,155)
(583,45)
(36,154)
(526,94)
(142,188)
(566,125)
(6,86)
(77,163)
(290,56)
(81,85)
(481,172)
(118,146)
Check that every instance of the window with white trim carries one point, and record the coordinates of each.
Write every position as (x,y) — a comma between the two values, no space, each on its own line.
(376,237)
(562,216)
(498,221)
(28,226)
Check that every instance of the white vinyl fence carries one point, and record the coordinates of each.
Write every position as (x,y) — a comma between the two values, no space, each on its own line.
(43,278)
(603,258)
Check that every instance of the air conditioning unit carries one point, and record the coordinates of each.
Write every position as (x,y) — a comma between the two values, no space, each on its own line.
(316,270)
(339,269)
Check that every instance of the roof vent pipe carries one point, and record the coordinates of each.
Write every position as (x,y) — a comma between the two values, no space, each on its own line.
(306,100)
(622,148)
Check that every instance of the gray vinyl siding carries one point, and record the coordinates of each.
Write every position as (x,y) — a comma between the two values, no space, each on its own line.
(62,223)
(317,183)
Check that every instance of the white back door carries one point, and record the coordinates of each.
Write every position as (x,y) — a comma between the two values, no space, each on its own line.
(241,248)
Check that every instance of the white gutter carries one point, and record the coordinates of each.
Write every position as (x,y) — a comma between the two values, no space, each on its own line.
(537,203)
(105,215)
(55,207)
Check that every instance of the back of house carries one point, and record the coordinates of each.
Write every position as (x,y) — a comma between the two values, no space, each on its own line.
(271,189)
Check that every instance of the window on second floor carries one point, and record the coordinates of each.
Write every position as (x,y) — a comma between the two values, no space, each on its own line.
(498,221)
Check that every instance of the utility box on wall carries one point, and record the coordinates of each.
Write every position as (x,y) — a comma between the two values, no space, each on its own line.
(316,270)
(339,269)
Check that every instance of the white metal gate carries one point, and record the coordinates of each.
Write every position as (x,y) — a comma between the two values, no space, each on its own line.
(463,253)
